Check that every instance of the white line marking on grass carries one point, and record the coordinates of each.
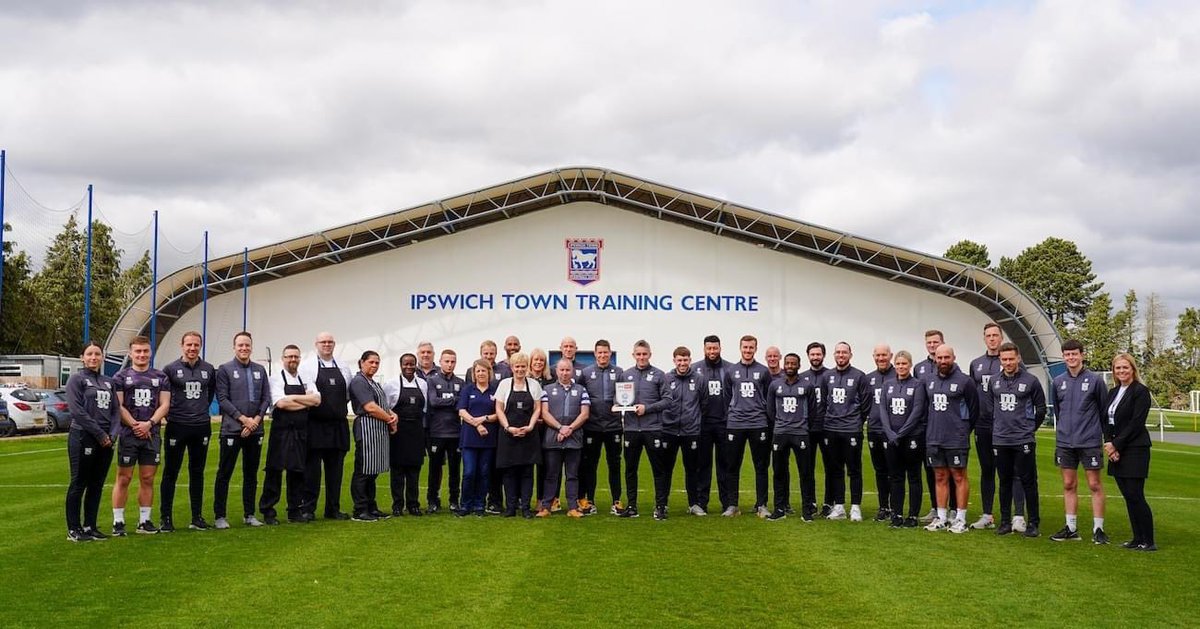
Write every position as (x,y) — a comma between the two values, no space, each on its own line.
(33,452)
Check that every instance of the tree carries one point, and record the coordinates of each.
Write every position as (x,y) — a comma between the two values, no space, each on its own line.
(59,289)
(1125,323)
(969,252)
(1098,333)
(1153,328)
(17,305)
(1187,336)
(135,279)
(1057,276)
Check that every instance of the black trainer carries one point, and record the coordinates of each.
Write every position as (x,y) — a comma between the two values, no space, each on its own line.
(493,510)
(364,516)
(78,535)
(897,522)
(1065,534)
(167,525)
(527,513)
(198,524)
(1031,530)
(629,512)
(1006,528)
(806,513)
(118,529)
(776,515)
(300,518)
(788,509)
(1131,544)
(397,511)
(434,507)
(826,510)
(911,522)
(340,515)
(1099,537)
(883,515)
(95,534)
(1146,547)
(415,511)
(660,513)
(271,520)
(146,527)
(379,515)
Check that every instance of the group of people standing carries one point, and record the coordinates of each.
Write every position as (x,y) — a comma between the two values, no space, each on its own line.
(520,429)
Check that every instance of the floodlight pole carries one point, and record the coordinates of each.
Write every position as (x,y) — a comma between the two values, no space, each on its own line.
(204,299)
(154,293)
(245,284)
(3,177)
(87,278)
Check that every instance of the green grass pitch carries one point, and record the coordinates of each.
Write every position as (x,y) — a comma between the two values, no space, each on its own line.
(598,571)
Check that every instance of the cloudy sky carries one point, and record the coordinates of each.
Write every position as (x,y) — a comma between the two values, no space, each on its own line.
(917,123)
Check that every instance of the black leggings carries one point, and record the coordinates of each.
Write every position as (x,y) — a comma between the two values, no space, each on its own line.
(1016,466)
(876,445)
(1141,520)
(589,463)
(89,468)
(904,464)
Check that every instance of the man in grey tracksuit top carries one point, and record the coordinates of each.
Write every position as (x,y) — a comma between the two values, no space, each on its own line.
(1079,398)
(681,424)
(846,408)
(643,428)
(792,401)
(602,432)
(953,409)
(747,384)
(1018,407)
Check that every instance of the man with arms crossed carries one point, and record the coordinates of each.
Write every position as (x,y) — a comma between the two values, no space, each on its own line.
(287,447)
(1079,398)
(143,401)
(189,427)
(953,404)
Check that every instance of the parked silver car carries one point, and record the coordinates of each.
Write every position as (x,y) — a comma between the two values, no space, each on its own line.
(25,408)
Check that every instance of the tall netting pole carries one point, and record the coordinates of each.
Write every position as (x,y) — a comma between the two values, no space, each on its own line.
(154,292)
(204,299)
(245,284)
(87,278)
(3,177)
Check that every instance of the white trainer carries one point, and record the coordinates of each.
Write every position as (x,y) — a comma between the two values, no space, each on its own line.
(697,510)
(252,521)
(937,524)
(221,524)
(1018,523)
(838,513)
(929,517)
(985,521)
(959,526)
(762,511)
(855,513)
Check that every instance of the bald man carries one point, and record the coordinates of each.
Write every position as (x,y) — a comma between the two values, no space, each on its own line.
(876,438)
(328,429)
(568,348)
(953,403)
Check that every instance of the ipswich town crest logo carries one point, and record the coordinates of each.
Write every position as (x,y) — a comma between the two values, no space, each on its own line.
(583,260)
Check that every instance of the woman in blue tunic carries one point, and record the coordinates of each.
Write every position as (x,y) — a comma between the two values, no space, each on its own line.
(477,410)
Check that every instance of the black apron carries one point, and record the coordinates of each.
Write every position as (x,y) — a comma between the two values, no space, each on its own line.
(408,443)
(287,445)
(327,426)
(510,450)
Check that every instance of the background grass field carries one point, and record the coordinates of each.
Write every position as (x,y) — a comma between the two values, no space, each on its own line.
(602,570)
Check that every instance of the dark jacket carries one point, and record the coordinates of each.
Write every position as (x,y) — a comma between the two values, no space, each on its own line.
(1127,427)
(233,395)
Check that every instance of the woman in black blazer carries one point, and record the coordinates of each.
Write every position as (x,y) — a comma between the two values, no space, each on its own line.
(1127,445)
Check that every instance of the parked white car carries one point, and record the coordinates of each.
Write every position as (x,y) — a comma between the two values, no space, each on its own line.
(26,409)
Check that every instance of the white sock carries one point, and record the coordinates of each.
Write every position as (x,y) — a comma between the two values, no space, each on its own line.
(1072,521)
(144,513)
(119,515)
(961,516)
(941,513)
(1097,524)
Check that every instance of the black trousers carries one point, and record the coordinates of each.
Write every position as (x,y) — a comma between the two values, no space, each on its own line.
(250,448)
(784,447)
(443,451)
(495,495)
(876,445)
(904,461)
(540,472)
(272,489)
(760,455)
(405,487)
(183,440)
(818,437)
(1019,463)
(89,464)
(689,447)
(561,463)
(589,463)
(984,453)
(333,461)
(711,459)
(655,447)
(1141,519)
(518,486)
(845,459)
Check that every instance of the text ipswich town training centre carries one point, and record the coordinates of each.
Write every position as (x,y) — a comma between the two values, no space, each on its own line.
(564,301)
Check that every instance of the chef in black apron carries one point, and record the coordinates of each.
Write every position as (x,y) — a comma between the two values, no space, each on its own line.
(518,408)
(287,443)
(406,398)
(328,430)
(373,425)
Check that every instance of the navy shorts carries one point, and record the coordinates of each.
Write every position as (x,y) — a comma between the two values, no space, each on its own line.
(937,456)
